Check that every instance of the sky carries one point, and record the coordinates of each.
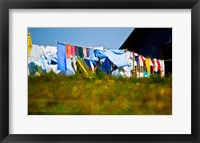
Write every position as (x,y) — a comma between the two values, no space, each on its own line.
(111,38)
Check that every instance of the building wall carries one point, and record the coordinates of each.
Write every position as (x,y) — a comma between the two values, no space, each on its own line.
(151,42)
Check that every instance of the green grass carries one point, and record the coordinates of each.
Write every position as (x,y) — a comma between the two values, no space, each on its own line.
(99,94)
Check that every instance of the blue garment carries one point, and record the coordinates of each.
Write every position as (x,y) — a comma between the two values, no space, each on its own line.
(117,59)
(119,52)
(32,68)
(136,59)
(91,54)
(70,70)
(87,62)
(94,62)
(107,66)
(44,71)
(42,62)
(100,54)
(61,54)
(146,74)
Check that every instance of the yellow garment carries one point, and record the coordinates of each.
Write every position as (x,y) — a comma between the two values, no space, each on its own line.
(29,43)
(148,63)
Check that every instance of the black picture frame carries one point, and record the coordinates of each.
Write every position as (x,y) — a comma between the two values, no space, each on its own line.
(5,5)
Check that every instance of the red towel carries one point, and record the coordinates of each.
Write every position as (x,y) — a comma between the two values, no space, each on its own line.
(143,60)
(68,51)
(72,51)
(158,62)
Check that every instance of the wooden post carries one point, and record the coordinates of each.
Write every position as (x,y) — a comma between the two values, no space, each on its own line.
(82,66)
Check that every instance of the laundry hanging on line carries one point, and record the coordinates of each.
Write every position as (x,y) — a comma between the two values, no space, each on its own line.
(48,56)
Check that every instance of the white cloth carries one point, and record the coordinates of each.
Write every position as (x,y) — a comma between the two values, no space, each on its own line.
(128,55)
(92,66)
(43,49)
(54,68)
(37,62)
(52,50)
(135,63)
(70,70)
(121,73)
(130,64)
(116,72)
(36,52)
(140,74)
(74,63)
(162,66)
(155,65)
(127,71)
(99,48)
(140,61)
(48,68)
(151,64)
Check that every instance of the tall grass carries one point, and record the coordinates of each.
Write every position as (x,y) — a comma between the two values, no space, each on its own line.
(99,94)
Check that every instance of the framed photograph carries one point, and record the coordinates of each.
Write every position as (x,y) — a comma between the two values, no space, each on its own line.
(103,71)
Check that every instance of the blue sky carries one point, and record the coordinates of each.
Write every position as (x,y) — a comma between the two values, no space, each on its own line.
(111,38)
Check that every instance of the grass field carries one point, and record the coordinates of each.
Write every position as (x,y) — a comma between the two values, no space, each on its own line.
(99,95)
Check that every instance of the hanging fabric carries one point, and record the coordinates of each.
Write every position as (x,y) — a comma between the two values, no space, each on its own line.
(107,66)
(29,44)
(91,54)
(76,50)
(148,64)
(80,52)
(68,51)
(61,55)
(84,52)
(88,52)
(162,62)
(70,69)
(72,51)
(158,62)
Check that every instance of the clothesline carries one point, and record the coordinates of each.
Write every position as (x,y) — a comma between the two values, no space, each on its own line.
(97,48)
(63,57)
(89,47)
(85,58)
(168,60)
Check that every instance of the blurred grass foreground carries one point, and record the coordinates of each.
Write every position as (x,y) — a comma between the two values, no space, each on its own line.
(99,94)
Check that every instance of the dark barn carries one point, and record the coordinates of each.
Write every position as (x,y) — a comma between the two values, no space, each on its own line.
(153,43)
